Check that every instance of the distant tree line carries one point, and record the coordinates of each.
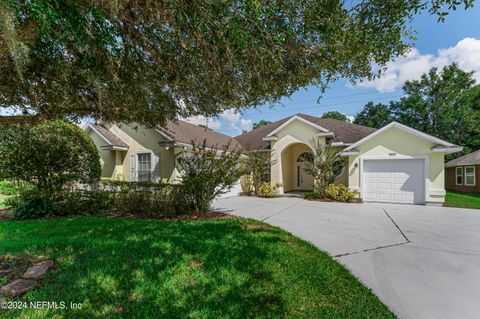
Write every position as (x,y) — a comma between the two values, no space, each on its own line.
(444,103)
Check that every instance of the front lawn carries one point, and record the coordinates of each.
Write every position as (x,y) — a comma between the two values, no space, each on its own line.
(462,200)
(230,268)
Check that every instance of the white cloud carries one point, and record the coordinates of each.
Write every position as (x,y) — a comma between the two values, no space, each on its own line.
(411,66)
(207,121)
(246,124)
(230,116)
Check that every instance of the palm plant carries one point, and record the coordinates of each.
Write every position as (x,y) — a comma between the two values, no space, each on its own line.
(326,166)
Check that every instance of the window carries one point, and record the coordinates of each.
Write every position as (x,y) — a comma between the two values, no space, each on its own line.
(144,166)
(305,157)
(470,175)
(459,176)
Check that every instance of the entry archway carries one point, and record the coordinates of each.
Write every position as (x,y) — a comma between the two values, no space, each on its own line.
(294,159)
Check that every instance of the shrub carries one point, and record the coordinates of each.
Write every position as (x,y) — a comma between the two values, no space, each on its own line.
(257,165)
(310,196)
(246,182)
(152,202)
(206,174)
(50,155)
(34,206)
(340,193)
(7,188)
(88,202)
(267,190)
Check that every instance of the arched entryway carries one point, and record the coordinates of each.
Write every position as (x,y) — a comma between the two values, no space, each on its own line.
(294,160)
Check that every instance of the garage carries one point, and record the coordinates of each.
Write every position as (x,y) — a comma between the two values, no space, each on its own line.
(394,181)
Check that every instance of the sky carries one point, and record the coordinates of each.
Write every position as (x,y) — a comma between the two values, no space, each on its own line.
(437,44)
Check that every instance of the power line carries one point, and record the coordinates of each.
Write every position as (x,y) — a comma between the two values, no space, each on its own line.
(330,98)
(309,107)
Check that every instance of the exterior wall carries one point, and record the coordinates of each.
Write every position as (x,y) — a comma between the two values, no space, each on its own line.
(450,180)
(343,177)
(107,158)
(145,139)
(291,142)
(396,144)
(116,164)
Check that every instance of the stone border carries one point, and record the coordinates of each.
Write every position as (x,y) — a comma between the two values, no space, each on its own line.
(32,267)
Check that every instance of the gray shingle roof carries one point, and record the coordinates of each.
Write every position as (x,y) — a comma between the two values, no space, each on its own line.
(113,139)
(184,132)
(344,132)
(469,159)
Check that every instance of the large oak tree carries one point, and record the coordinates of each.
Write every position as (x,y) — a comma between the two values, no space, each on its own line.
(148,61)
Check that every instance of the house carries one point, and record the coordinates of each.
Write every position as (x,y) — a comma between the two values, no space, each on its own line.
(395,164)
(462,174)
(138,153)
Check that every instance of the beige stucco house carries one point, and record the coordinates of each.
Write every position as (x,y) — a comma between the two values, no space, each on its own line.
(393,164)
(138,153)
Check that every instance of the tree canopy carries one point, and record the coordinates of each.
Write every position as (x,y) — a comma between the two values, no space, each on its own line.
(261,123)
(444,103)
(335,115)
(374,115)
(149,61)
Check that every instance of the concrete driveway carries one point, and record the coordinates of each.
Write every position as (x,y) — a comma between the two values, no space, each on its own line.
(423,262)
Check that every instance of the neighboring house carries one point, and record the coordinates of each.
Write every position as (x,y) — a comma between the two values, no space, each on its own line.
(137,153)
(462,174)
(395,164)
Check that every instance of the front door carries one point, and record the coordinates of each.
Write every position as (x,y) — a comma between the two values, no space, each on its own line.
(304,181)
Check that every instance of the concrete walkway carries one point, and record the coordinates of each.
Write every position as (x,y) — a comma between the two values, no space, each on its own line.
(423,262)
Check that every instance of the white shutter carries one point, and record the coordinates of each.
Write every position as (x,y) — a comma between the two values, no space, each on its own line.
(155,167)
(133,167)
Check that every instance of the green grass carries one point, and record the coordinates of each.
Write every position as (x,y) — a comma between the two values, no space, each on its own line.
(462,200)
(125,268)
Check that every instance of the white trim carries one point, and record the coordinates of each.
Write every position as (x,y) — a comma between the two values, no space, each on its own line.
(426,169)
(453,149)
(89,125)
(465,176)
(347,154)
(326,134)
(456,175)
(437,192)
(297,118)
(159,131)
(271,138)
(114,148)
(405,129)
(340,144)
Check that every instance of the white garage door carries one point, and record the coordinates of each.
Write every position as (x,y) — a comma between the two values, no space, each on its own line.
(394,181)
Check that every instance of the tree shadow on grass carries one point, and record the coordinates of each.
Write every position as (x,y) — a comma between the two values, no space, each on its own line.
(118,268)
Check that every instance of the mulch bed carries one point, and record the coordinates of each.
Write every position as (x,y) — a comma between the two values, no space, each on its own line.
(329,200)
(185,217)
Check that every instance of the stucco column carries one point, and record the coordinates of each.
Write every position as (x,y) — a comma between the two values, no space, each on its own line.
(276,176)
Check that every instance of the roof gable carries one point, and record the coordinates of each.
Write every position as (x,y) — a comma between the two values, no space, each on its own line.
(108,136)
(395,125)
(300,119)
(344,132)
